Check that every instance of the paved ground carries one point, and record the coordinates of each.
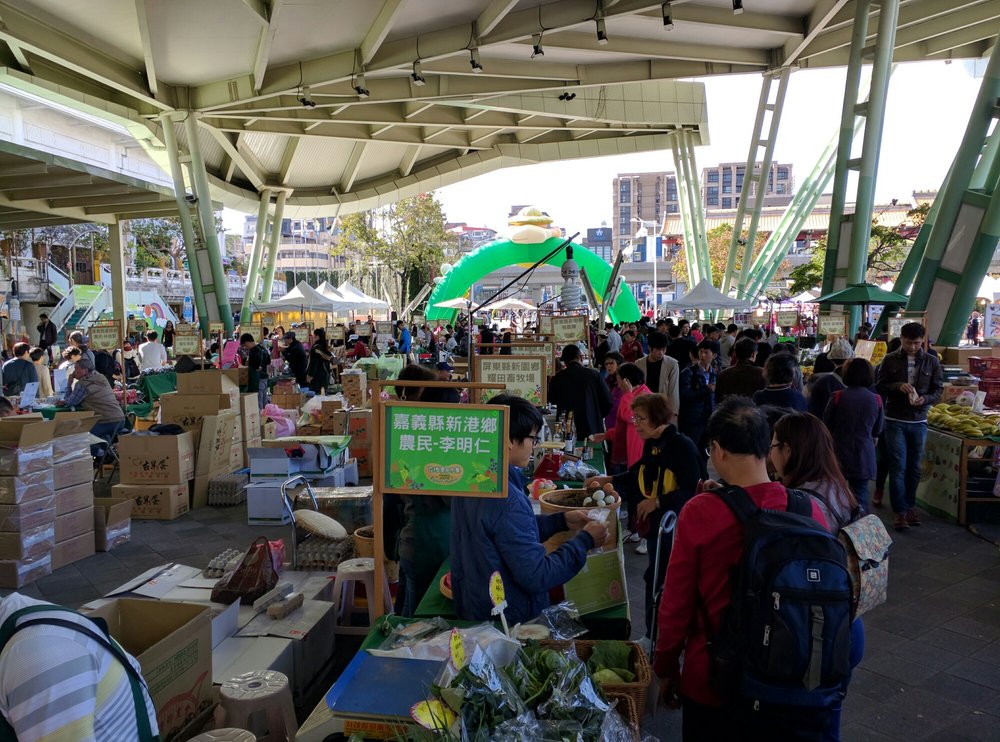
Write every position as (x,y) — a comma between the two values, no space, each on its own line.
(931,669)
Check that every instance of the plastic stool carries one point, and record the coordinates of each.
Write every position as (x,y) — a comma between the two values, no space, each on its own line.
(349,573)
(245,695)
(225,735)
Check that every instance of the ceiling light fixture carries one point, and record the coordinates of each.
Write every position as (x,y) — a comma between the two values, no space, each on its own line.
(359,85)
(567,96)
(418,79)
(305,98)
(602,32)
(536,46)
(668,22)
(737,7)
(474,61)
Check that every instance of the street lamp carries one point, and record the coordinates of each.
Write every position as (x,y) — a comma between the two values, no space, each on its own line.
(649,234)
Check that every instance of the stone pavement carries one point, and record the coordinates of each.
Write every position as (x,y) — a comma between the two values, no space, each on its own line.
(931,669)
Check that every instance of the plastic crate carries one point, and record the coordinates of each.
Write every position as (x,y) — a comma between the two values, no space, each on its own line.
(988,368)
(992,389)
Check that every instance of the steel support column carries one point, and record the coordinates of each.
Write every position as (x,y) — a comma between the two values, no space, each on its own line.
(758,179)
(867,164)
(116,248)
(184,215)
(698,220)
(685,207)
(947,255)
(272,252)
(251,293)
(206,219)
(688,187)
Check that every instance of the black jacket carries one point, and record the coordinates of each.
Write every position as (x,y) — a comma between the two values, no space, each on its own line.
(295,356)
(46,335)
(580,390)
(697,401)
(669,469)
(743,379)
(892,374)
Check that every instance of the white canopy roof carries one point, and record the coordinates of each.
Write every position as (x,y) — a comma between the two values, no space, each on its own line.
(806,297)
(306,298)
(706,296)
(359,299)
(327,289)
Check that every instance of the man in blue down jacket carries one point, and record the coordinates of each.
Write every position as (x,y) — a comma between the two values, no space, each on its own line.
(503,534)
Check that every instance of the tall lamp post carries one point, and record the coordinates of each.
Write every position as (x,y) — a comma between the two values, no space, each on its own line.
(649,234)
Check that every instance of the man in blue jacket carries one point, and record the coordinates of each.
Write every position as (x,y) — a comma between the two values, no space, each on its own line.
(491,534)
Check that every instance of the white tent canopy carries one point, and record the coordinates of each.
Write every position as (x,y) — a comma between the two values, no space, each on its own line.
(511,303)
(327,290)
(806,297)
(360,299)
(706,296)
(304,297)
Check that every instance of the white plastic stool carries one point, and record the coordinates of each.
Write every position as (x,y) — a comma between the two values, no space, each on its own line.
(349,573)
(267,692)
(225,735)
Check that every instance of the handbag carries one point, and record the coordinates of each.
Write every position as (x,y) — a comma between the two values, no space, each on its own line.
(255,575)
(868,544)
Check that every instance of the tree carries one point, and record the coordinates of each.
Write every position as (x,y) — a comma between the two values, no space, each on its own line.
(719,240)
(809,275)
(397,247)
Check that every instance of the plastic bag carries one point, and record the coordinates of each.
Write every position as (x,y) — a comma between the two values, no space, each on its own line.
(562,621)
(408,634)
(283,426)
(481,690)
(251,578)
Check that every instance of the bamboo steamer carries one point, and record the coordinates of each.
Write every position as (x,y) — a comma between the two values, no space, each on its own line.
(364,546)
(556,501)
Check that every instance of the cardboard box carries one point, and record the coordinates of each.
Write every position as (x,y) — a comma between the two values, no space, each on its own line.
(363,457)
(73,549)
(236,456)
(155,501)
(268,431)
(216,443)
(75,524)
(308,430)
(173,644)
(189,410)
(73,498)
(29,514)
(212,383)
(72,436)
(359,427)
(73,472)
(35,485)
(18,573)
(250,412)
(25,445)
(112,522)
(239,376)
(269,464)
(156,459)
(330,407)
(264,506)
(288,401)
(24,544)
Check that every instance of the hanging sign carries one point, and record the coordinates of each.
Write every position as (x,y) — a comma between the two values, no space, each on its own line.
(256,330)
(787,318)
(864,349)
(544,324)
(832,325)
(363,329)
(524,376)
(895,324)
(105,336)
(433,449)
(137,326)
(570,329)
(216,328)
(187,344)
(418,319)
(878,353)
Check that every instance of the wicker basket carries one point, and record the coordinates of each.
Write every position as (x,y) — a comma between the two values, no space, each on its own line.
(636,690)
(364,545)
(554,502)
(626,708)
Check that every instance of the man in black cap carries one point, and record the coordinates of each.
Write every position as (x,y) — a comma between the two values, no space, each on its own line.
(444,370)
(442,394)
(295,356)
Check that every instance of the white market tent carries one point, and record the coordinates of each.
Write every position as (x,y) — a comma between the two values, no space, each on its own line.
(305,298)
(706,296)
(511,303)
(806,297)
(360,300)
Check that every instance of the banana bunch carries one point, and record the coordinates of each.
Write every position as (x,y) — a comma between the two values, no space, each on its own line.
(962,421)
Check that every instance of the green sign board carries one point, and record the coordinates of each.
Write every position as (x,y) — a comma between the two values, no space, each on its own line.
(430,449)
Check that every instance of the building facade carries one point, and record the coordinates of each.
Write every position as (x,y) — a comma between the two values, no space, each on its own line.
(646,196)
(600,242)
(721,185)
(304,247)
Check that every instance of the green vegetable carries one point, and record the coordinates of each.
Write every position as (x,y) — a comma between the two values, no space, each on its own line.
(608,676)
(612,655)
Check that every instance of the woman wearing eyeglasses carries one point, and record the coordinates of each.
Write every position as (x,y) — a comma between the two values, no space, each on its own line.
(663,479)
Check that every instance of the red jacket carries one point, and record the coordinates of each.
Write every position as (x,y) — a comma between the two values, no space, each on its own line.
(708,543)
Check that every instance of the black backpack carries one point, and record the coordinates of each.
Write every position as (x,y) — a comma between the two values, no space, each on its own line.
(785,637)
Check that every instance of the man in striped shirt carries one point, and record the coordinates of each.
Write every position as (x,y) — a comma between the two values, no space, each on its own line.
(59,685)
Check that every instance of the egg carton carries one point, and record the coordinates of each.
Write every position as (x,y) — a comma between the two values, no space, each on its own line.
(324,554)
(223,563)
(228,489)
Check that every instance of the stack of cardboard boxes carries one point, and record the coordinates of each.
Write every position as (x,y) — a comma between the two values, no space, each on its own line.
(73,480)
(355,385)
(287,395)
(155,473)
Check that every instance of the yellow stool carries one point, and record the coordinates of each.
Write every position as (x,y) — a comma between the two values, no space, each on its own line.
(350,572)
(252,694)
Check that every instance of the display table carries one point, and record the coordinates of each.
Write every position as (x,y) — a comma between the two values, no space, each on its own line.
(153,385)
(611,623)
(49,411)
(949,477)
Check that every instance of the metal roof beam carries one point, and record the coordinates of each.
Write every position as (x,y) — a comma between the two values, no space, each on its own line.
(19,56)
(820,17)
(49,180)
(409,159)
(259,8)
(352,167)
(135,211)
(287,159)
(242,156)
(147,46)
(34,194)
(654,49)
(27,221)
(67,51)
(492,14)
(106,200)
(686,13)
(264,42)
(379,29)
(355,132)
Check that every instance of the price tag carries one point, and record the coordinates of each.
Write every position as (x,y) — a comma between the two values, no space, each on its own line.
(457,650)
(497,594)
(432,715)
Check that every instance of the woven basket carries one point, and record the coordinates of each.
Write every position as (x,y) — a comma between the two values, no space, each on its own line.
(554,502)
(637,690)
(364,545)
(626,708)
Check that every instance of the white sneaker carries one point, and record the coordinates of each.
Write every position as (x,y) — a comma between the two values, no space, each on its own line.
(642,548)
(631,538)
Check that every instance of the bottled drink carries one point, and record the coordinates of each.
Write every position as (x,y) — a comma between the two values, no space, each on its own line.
(570,436)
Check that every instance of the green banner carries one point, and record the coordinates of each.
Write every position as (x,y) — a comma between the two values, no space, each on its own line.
(444,449)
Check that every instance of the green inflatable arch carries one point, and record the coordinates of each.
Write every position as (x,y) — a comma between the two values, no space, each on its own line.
(504,253)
